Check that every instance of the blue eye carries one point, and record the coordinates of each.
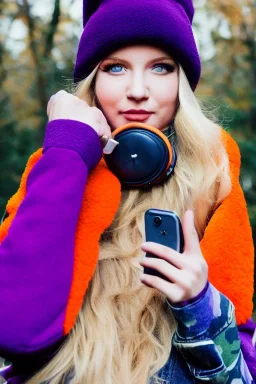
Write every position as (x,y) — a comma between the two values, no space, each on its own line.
(159,68)
(164,68)
(114,68)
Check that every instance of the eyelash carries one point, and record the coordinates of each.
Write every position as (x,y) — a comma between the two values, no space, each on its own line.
(169,67)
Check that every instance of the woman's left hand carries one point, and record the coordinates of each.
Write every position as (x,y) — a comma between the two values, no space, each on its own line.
(187,271)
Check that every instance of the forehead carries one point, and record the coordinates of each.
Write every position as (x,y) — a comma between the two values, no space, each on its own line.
(142,52)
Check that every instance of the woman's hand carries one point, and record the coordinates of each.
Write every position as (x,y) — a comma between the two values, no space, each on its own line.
(187,271)
(64,105)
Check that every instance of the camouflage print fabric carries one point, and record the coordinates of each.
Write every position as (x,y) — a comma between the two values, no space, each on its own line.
(206,345)
(207,337)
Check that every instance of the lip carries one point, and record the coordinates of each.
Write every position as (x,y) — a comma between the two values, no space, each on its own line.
(136,116)
(137,111)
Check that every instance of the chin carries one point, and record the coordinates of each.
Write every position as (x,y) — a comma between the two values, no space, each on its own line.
(124,121)
(113,128)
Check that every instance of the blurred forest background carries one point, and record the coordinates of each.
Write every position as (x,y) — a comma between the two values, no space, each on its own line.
(38,43)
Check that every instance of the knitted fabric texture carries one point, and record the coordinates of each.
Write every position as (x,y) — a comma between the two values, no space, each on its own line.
(226,245)
(112,24)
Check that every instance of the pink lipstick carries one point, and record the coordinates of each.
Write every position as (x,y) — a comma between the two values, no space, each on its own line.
(136,114)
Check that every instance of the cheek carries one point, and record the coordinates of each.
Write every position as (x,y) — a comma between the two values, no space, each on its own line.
(106,97)
(101,89)
(109,93)
(168,93)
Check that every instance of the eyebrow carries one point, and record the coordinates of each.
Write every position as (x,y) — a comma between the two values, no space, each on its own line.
(115,58)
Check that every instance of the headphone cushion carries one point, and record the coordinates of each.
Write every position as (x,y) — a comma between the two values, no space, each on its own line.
(140,158)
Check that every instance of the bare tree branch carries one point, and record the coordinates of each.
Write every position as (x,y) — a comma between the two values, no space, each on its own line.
(3,70)
(41,86)
(53,25)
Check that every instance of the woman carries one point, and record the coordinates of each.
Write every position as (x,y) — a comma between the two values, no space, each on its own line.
(127,327)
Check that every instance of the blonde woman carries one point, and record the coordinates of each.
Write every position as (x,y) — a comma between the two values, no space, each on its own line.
(76,307)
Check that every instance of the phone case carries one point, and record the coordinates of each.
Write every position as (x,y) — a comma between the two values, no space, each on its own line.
(163,227)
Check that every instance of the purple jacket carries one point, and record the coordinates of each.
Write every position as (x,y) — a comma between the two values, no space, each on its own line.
(35,282)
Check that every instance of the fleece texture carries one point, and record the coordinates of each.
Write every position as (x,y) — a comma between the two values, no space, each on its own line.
(227,243)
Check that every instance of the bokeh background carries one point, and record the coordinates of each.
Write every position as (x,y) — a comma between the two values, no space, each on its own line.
(38,43)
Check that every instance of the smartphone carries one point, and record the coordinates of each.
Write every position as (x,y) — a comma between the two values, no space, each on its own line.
(163,227)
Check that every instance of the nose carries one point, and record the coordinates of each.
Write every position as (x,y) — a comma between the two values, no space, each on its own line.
(137,89)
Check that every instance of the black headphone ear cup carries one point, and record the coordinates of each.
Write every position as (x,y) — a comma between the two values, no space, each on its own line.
(142,158)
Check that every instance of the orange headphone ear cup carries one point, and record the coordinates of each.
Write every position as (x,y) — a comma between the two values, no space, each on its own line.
(143,157)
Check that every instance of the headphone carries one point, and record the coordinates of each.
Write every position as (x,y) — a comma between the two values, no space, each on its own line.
(139,155)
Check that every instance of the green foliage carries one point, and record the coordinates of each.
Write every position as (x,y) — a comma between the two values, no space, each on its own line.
(15,148)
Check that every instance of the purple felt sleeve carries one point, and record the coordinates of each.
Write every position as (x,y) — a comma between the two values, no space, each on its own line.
(36,258)
(71,134)
(247,333)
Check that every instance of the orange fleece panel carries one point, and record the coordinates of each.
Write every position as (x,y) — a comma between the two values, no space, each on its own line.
(100,203)
(227,243)
(15,201)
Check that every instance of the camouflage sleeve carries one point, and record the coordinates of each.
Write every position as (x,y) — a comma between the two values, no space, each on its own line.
(207,337)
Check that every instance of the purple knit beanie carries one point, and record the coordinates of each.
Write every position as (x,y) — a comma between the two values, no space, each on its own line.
(112,24)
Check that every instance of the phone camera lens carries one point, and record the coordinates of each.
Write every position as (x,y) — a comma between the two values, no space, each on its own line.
(157,220)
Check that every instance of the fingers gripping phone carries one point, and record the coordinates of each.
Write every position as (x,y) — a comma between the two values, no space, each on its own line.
(163,227)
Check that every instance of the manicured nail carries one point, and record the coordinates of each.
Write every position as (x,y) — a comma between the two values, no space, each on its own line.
(193,216)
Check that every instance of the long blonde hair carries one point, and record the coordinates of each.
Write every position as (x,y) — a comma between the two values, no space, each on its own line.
(124,329)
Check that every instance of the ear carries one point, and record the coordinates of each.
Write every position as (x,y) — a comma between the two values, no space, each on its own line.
(89,7)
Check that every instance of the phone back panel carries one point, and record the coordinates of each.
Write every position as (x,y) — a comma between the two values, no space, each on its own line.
(168,232)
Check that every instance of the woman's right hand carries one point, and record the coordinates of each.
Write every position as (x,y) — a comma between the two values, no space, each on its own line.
(64,105)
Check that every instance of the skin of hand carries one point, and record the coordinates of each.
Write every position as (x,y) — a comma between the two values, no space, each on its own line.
(64,105)
(187,271)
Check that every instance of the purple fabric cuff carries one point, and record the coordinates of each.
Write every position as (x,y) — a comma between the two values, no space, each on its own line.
(74,135)
(190,301)
(246,333)
(187,328)
(24,366)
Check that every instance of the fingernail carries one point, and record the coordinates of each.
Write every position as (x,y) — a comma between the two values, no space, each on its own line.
(104,140)
(191,213)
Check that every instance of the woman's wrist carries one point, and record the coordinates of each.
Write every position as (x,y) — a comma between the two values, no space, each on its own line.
(193,300)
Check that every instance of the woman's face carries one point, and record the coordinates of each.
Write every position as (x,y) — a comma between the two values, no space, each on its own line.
(138,83)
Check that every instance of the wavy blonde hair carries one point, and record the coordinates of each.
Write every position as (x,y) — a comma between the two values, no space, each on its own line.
(124,329)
